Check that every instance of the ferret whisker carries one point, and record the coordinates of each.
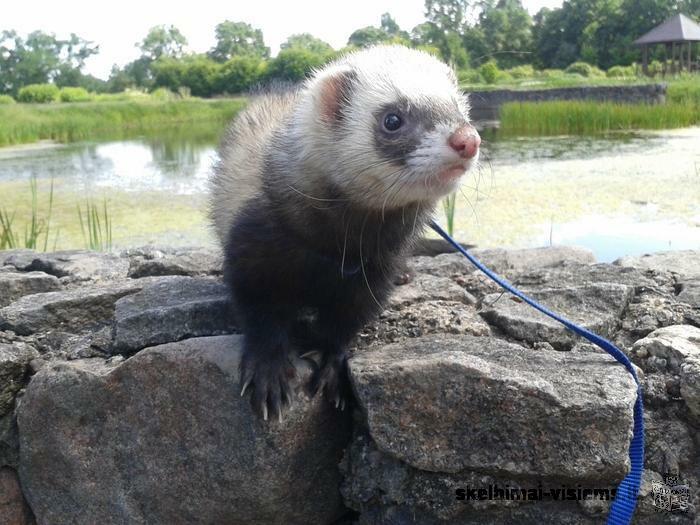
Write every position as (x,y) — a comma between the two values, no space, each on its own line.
(314,198)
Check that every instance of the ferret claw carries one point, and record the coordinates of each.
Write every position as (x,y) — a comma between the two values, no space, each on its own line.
(245,386)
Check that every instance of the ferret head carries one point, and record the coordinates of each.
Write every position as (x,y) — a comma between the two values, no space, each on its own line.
(392,124)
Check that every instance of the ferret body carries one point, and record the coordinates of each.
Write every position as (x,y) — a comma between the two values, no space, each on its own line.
(317,194)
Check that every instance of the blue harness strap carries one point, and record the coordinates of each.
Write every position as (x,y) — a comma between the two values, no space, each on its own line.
(625,501)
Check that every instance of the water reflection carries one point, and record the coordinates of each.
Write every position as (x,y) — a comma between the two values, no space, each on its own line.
(619,194)
(175,166)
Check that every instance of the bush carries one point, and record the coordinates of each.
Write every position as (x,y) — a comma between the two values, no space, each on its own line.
(621,72)
(196,72)
(468,76)
(6,99)
(584,69)
(38,93)
(550,74)
(74,94)
(489,72)
(524,71)
(240,74)
(163,94)
(294,64)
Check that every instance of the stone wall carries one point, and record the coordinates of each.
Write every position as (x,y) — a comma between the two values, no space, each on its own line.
(119,395)
(485,104)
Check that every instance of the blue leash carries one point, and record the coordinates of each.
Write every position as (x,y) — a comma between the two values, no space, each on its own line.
(625,502)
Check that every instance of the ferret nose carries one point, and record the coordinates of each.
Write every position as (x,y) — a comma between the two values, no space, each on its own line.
(465,141)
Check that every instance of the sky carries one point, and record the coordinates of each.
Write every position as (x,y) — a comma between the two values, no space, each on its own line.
(117,26)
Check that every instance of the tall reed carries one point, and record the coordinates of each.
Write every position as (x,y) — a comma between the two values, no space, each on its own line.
(96,226)
(590,117)
(37,226)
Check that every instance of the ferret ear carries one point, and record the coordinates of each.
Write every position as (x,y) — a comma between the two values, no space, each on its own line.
(334,94)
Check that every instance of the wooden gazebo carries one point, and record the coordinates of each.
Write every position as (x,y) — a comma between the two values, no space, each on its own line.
(678,34)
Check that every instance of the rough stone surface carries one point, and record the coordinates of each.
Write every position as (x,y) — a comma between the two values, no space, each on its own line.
(14,285)
(172,412)
(597,307)
(669,347)
(9,441)
(67,310)
(426,287)
(423,318)
(563,414)
(171,441)
(14,364)
(13,508)
(689,292)
(528,258)
(170,309)
(675,350)
(76,265)
(500,260)
(388,491)
(685,263)
(152,261)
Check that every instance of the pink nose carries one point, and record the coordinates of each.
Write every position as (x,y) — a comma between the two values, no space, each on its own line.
(465,141)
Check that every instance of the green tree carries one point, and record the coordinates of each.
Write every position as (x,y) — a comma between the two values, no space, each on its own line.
(40,58)
(238,39)
(368,36)
(294,64)
(162,41)
(507,27)
(240,74)
(308,42)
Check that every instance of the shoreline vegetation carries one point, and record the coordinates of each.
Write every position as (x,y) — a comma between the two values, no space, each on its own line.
(579,117)
(134,113)
(110,119)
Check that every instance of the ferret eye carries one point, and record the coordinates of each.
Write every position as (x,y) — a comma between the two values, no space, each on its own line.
(392,122)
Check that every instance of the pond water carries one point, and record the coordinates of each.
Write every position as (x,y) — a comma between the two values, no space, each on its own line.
(616,195)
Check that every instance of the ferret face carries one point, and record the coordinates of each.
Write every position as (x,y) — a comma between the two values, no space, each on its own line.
(395,125)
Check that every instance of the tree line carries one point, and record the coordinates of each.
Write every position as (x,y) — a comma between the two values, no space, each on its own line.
(465,33)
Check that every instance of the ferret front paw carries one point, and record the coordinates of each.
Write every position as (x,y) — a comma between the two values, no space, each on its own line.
(332,379)
(269,381)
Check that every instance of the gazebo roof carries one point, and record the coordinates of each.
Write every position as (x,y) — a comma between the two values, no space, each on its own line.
(678,28)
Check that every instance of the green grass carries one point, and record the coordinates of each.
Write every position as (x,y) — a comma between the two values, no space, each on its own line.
(26,123)
(590,117)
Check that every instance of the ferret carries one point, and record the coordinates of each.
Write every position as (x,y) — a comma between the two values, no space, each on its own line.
(317,194)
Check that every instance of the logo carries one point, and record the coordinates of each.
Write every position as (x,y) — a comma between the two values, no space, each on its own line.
(670,495)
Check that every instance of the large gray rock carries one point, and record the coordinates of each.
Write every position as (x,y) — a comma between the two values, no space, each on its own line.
(426,287)
(387,491)
(685,263)
(423,318)
(152,261)
(445,404)
(165,438)
(14,363)
(74,310)
(689,292)
(597,307)
(669,347)
(14,285)
(76,265)
(500,260)
(578,274)
(169,309)
(676,350)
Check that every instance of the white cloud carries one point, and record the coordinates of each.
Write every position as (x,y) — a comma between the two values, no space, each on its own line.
(117,26)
